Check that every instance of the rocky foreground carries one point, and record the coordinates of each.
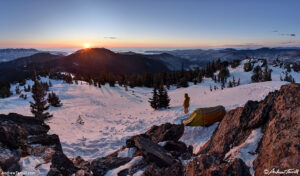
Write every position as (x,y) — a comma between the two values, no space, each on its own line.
(159,151)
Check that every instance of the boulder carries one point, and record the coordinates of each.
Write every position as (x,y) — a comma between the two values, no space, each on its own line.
(175,146)
(9,160)
(207,165)
(12,134)
(165,132)
(82,165)
(100,166)
(153,152)
(60,163)
(54,172)
(32,125)
(134,168)
(175,170)
(46,140)
(15,128)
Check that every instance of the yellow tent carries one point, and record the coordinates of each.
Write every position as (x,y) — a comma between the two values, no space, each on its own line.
(205,116)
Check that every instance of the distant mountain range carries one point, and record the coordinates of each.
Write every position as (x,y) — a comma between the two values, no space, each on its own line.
(89,61)
(97,60)
(10,54)
(200,57)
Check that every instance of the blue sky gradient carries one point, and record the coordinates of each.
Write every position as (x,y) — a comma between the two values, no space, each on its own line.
(144,23)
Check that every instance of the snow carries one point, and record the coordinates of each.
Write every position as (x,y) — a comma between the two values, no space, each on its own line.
(197,136)
(127,152)
(139,173)
(115,172)
(32,165)
(247,150)
(111,115)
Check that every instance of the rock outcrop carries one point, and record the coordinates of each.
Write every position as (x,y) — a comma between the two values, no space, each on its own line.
(22,136)
(278,116)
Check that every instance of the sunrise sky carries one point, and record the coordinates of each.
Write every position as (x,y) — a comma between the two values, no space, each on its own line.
(147,23)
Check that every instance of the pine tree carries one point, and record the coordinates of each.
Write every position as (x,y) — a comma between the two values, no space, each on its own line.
(257,74)
(233,82)
(195,81)
(182,83)
(267,74)
(154,100)
(53,100)
(239,82)
(163,97)
(39,106)
(24,96)
(229,84)
(248,66)
(18,91)
(27,89)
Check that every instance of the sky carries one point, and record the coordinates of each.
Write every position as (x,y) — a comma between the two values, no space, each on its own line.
(149,23)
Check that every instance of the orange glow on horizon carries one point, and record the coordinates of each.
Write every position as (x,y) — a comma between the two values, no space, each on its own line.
(116,44)
(86,45)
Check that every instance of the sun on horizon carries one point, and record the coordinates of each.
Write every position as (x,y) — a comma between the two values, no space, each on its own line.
(86,45)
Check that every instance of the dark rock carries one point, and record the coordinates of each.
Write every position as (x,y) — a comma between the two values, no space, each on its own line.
(12,134)
(100,166)
(54,172)
(36,150)
(15,128)
(48,154)
(165,132)
(207,165)
(82,165)
(237,167)
(46,140)
(62,164)
(153,152)
(134,168)
(175,146)
(32,125)
(9,160)
(174,170)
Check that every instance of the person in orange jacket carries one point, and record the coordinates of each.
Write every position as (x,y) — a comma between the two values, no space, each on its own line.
(186,103)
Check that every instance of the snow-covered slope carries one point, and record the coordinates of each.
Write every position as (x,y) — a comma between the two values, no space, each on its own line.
(111,114)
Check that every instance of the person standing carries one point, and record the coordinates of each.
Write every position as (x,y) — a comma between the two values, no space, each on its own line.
(186,103)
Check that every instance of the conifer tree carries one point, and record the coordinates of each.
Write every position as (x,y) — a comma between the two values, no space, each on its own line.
(248,67)
(53,100)
(163,97)
(239,82)
(257,74)
(182,83)
(18,91)
(267,74)
(229,84)
(233,82)
(39,106)
(154,100)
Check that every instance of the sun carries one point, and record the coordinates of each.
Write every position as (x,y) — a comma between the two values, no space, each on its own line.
(86,45)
